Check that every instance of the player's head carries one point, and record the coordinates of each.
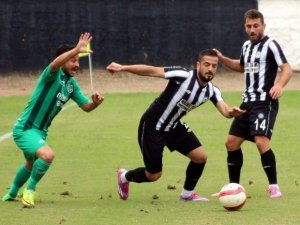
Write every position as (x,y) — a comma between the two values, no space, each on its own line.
(72,65)
(207,65)
(254,25)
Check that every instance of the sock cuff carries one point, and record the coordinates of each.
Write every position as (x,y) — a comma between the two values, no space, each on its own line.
(235,152)
(43,162)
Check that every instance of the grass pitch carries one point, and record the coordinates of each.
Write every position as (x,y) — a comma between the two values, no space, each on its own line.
(81,187)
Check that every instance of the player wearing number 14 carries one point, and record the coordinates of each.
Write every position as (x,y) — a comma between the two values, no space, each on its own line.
(259,61)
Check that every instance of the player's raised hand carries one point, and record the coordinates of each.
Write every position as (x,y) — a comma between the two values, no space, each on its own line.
(220,55)
(84,40)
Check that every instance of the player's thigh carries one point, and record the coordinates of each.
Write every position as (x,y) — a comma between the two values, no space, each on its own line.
(182,139)
(240,128)
(151,144)
(233,142)
(29,142)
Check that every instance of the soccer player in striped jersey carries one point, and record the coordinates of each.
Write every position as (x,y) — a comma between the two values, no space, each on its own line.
(160,125)
(260,58)
(55,86)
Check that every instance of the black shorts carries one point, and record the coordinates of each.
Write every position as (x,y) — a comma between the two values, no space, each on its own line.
(258,120)
(152,143)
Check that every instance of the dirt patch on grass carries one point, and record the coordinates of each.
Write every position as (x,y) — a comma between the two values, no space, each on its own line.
(22,84)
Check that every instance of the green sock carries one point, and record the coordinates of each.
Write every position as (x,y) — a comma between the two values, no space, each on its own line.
(39,169)
(21,177)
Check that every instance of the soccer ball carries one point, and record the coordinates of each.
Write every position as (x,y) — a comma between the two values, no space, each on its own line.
(232,196)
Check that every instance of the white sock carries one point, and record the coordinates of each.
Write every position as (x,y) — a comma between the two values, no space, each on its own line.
(186,193)
(123,178)
(274,185)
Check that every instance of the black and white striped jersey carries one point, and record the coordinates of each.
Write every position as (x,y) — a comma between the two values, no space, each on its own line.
(260,62)
(182,94)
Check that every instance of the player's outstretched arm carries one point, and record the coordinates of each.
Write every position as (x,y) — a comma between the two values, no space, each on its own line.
(233,64)
(228,111)
(139,69)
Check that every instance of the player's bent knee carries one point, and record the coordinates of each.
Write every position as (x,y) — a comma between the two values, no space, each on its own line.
(200,159)
(153,176)
(48,157)
(233,142)
(198,155)
(231,145)
(45,153)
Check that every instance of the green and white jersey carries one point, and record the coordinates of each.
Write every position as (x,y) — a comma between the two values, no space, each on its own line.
(50,94)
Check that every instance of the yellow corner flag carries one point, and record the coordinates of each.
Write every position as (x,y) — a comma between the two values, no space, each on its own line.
(83,54)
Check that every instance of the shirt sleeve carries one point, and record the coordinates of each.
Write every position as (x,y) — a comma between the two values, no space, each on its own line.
(176,73)
(78,96)
(278,53)
(243,49)
(216,96)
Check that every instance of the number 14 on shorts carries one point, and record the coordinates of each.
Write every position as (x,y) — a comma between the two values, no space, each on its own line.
(260,124)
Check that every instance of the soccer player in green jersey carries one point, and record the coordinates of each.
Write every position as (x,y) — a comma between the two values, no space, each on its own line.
(55,86)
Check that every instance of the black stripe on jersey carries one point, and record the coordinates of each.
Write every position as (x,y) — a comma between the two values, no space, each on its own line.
(172,68)
(50,108)
(198,94)
(37,106)
(213,98)
(282,57)
(271,68)
(175,109)
(242,63)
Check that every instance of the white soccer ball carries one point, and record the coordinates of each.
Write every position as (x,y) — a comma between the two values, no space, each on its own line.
(232,196)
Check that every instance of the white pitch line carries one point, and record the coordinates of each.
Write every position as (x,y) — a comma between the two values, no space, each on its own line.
(9,135)
(5,136)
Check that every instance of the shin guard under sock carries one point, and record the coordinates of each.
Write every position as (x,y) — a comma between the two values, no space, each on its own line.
(234,165)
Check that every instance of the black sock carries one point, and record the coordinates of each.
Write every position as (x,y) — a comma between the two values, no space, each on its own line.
(234,165)
(137,175)
(193,173)
(268,161)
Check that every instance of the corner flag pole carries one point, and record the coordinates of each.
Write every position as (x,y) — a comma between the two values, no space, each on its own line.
(88,47)
(91,73)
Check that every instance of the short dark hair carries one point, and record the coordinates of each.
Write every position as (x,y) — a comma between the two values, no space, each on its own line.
(254,14)
(64,48)
(208,52)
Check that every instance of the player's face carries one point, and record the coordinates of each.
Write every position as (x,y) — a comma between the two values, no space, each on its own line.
(71,66)
(206,68)
(254,29)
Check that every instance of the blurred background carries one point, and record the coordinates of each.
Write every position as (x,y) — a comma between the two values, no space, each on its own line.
(158,32)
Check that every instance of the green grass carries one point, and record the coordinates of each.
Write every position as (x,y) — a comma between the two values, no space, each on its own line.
(90,147)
